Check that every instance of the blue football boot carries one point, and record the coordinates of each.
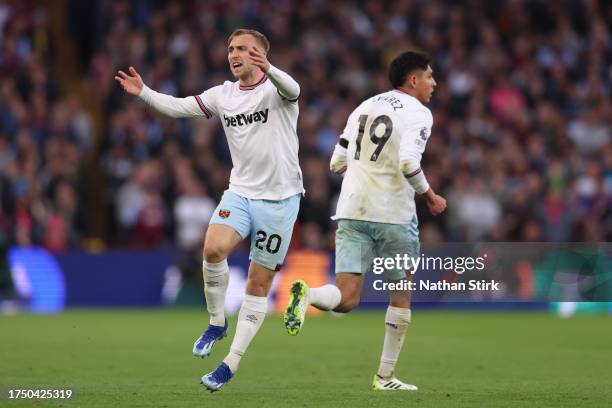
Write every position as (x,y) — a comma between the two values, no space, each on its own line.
(213,381)
(204,344)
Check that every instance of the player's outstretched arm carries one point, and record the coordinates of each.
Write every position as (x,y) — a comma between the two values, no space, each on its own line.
(169,105)
(132,83)
(287,86)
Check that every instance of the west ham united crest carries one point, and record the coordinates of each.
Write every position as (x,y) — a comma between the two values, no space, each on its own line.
(224,213)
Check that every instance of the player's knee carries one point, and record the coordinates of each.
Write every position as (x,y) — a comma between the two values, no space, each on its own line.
(214,252)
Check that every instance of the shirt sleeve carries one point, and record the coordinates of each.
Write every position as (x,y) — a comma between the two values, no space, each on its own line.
(178,107)
(207,101)
(414,137)
(287,87)
(338,163)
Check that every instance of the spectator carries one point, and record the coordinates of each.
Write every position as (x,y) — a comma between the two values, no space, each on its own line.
(192,211)
(521,144)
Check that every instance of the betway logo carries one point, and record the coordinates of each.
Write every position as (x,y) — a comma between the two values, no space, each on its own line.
(246,118)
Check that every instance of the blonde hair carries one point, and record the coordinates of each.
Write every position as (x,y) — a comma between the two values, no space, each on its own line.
(262,39)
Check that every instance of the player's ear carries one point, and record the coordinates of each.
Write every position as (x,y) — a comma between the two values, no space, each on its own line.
(412,80)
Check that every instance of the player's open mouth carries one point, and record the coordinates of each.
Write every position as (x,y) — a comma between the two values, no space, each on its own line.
(236,64)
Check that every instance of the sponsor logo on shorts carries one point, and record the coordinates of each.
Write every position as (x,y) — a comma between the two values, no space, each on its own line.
(224,213)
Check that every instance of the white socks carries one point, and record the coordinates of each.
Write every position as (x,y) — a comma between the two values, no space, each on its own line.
(251,316)
(327,297)
(397,320)
(216,279)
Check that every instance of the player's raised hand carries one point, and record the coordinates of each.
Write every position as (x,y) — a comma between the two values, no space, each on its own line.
(132,83)
(259,59)
(436,204)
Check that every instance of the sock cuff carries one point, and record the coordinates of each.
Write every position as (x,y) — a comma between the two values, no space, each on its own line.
(335,290)
(398,315)
(238,353)
(256,303)
(326,297)
(336,295)
(215,268)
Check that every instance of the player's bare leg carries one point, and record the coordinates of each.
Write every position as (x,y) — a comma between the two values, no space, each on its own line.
(250,318)
(397,320)
(350,286)
(220,241)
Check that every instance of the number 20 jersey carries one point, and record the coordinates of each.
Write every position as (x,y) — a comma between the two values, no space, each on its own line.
(384,131)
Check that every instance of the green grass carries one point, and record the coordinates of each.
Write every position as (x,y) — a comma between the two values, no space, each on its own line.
(143,359)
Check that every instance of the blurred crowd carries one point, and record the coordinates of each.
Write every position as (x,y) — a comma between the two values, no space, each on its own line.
(43,137)
(521,143)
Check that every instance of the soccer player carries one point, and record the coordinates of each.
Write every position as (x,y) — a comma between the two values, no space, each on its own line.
(380,151)
(259,115)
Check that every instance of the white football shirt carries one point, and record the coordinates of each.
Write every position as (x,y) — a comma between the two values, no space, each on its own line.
(384,131)
(260,126)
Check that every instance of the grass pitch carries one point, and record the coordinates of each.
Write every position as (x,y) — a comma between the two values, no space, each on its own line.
(143,359)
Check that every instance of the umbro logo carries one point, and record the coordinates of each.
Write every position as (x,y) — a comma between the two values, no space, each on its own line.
(252,318)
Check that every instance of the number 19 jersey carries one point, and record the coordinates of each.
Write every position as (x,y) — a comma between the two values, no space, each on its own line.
(385,134)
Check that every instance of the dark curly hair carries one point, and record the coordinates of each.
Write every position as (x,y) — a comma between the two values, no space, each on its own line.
(404,64)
